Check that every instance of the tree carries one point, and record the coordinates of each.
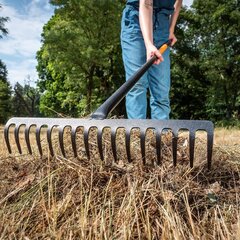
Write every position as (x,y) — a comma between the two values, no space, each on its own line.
(80,62)
(3,29)
(217,28)
(189,83)
(205,72)
(5,88)
(5,94)
(26,100)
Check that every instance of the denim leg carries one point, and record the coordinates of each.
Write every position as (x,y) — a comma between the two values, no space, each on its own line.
(134,56)
(159,75)
(159,86)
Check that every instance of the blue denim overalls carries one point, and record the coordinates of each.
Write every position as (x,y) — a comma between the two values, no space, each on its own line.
(157,78)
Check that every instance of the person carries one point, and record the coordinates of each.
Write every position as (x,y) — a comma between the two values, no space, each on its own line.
(146,25)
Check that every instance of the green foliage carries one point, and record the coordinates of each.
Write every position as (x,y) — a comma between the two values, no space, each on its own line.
(80,61)
(5,94)
(206,61)
(25,100)
(3,29)
(220,55)
(5,89)
(3,71)
(188,80)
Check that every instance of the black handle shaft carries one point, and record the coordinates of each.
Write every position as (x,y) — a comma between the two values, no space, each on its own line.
(103,111)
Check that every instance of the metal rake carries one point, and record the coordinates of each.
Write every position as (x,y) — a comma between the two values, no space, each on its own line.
(98,120)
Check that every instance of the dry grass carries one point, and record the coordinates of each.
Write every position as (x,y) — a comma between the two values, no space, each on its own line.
(74,198)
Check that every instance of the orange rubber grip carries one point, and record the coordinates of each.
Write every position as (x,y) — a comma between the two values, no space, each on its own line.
(163,48)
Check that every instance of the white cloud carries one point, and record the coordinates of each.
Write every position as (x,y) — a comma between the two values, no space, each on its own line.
(187,2)
(19,48)
(22,71)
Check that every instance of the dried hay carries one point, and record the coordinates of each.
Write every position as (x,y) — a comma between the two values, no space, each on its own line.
(78,198)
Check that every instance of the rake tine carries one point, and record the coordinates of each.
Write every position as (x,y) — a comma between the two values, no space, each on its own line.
(174,147)
(191,125)
(16,135)
(49,133)
(158,147)
(191,146)
(73,138)
(127,141)
(27,139)
(99,142)
(38,132)
(60,137)
(142,142)
(113,142)
(6,136)
(209,148)
(85,136)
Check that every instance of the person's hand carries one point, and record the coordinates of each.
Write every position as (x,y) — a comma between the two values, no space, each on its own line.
(173,38)
(151,51)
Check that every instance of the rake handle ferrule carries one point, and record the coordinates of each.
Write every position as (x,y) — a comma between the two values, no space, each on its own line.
(103,111)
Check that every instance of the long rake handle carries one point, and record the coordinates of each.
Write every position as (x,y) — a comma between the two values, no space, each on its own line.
(103,111)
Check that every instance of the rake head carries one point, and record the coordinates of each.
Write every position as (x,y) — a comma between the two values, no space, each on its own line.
(98,120)
(61,124)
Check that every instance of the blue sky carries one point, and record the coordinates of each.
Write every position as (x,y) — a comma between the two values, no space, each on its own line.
(18,49)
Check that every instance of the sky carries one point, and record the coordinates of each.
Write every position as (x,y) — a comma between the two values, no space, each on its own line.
(18,49)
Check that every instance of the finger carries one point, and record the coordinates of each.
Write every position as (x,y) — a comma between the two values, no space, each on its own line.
(159,60)
(159,55)
(171,40)
(174,41)
(152,54)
